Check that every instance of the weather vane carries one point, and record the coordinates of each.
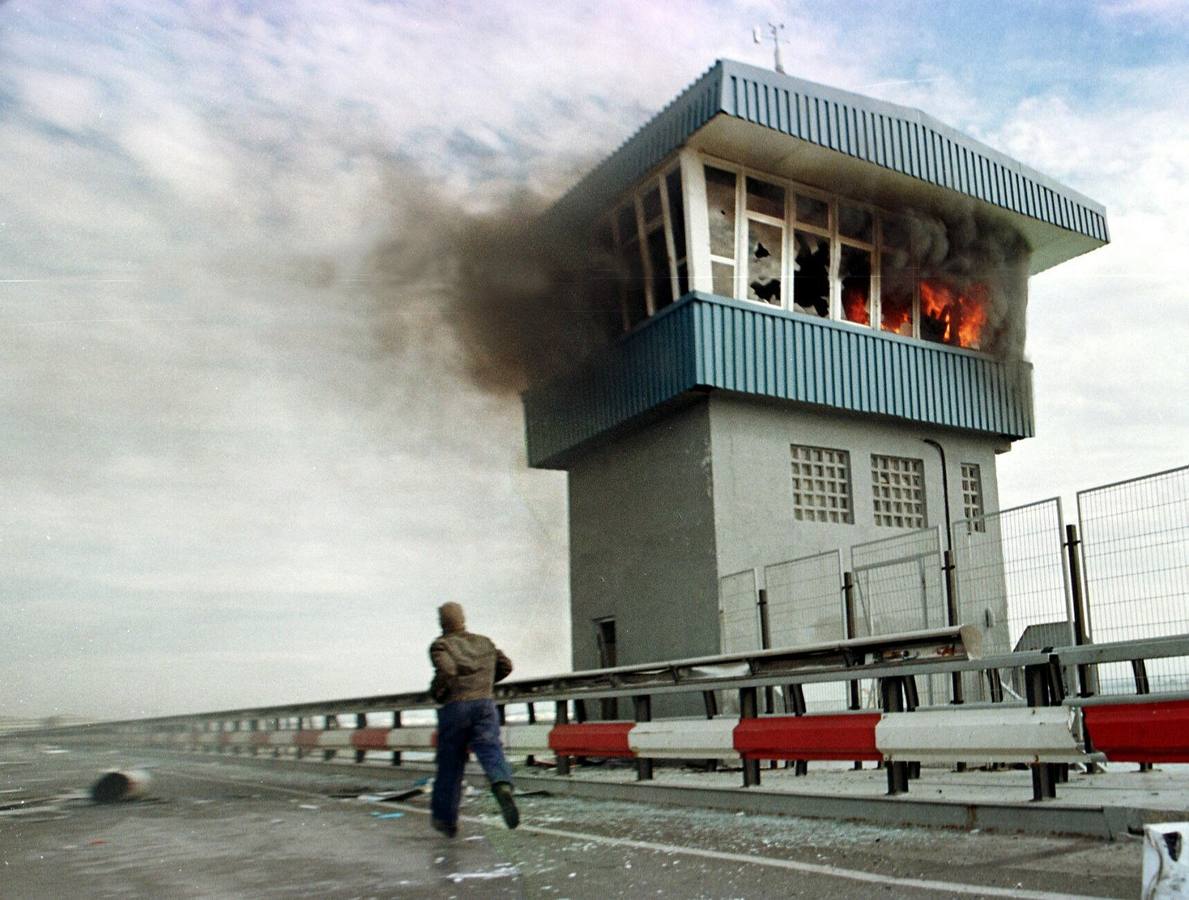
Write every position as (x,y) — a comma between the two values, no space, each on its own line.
(775,32)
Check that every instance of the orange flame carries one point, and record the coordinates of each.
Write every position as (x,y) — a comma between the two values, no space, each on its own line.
(896,316)
(959,316)
(854,305)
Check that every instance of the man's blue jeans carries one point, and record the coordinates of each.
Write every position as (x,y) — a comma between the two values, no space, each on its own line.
(462,724)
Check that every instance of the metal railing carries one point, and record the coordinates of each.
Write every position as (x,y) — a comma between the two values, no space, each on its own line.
(893,662)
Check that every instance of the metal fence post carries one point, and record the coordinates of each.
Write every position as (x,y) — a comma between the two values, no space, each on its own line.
(1087,676)
(562,717)
(749,709)
(848,606)
(643,713)
(766,644)
(958,694)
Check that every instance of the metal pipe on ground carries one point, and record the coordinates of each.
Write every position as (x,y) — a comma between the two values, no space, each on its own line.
(119,785)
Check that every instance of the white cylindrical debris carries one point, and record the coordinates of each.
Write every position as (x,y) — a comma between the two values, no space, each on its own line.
(1166,865)
(117,785)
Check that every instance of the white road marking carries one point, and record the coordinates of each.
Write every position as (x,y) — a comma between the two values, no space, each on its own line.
(924,884)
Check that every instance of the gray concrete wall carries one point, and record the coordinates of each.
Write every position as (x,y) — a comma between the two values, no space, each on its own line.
(753,496)
(642,543)
(753,492)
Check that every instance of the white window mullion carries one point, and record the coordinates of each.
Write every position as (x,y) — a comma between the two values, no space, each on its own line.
(697,220)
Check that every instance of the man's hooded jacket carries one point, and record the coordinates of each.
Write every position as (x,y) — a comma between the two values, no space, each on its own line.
(466,665)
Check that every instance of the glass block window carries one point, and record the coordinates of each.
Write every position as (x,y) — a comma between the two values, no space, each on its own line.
(898,491)
(821,485)
(972,496)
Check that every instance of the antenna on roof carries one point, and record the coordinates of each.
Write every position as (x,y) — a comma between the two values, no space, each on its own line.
(774,30)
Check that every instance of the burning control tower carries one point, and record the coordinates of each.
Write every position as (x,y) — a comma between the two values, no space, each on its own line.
(820,303)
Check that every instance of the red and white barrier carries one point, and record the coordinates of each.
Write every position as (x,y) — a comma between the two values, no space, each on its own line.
(1154,731)
(1006,734)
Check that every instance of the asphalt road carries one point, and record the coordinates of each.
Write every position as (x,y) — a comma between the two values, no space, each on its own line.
(234,829)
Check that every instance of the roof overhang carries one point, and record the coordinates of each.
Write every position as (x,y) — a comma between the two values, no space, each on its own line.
(860,147)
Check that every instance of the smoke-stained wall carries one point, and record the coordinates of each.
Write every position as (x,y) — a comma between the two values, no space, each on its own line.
(642,542)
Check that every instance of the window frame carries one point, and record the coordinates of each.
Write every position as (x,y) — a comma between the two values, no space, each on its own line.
(635,197)
(790,226)
(919,468)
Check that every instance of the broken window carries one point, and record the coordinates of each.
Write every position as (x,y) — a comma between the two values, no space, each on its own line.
(856,222)
(720,202)
(658,261)
(897,279)
(811,273)
(953,313)
(764,249)
(634,295)
(660,287)
(677,219)
(765,241)
(854,276)
(765,199)
(814,212)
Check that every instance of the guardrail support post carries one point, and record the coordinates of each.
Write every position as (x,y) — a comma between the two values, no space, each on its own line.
(794,702)
(1139,671)
(329,723)
(561,718)
(891,692)
(1040,692)
(531,760)
(642,706)
(360,722)
(396,723)
(749,709)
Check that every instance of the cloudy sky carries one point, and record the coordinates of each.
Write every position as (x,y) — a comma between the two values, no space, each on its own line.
(238,468)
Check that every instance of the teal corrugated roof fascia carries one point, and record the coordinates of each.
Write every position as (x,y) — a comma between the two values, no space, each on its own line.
(898,138)
(705,341)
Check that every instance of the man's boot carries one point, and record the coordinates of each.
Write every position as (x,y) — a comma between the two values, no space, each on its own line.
(503,796)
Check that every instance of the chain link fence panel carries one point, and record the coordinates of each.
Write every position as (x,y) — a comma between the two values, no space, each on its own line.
(898,588)
(805,607)
(1135,562)
(1012,578)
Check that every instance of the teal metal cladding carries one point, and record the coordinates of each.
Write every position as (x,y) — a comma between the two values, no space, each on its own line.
(894,137)
(707,342)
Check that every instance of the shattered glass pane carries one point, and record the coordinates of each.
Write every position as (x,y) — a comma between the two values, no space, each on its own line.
(720,201)
(764,251)
(854,273)
(625,220)
(811,274)
(634,293)
(895,292)
(677,213)
(856,223)
(724,279)
(765,198)
(652,206)
(813,212)
(658,259)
